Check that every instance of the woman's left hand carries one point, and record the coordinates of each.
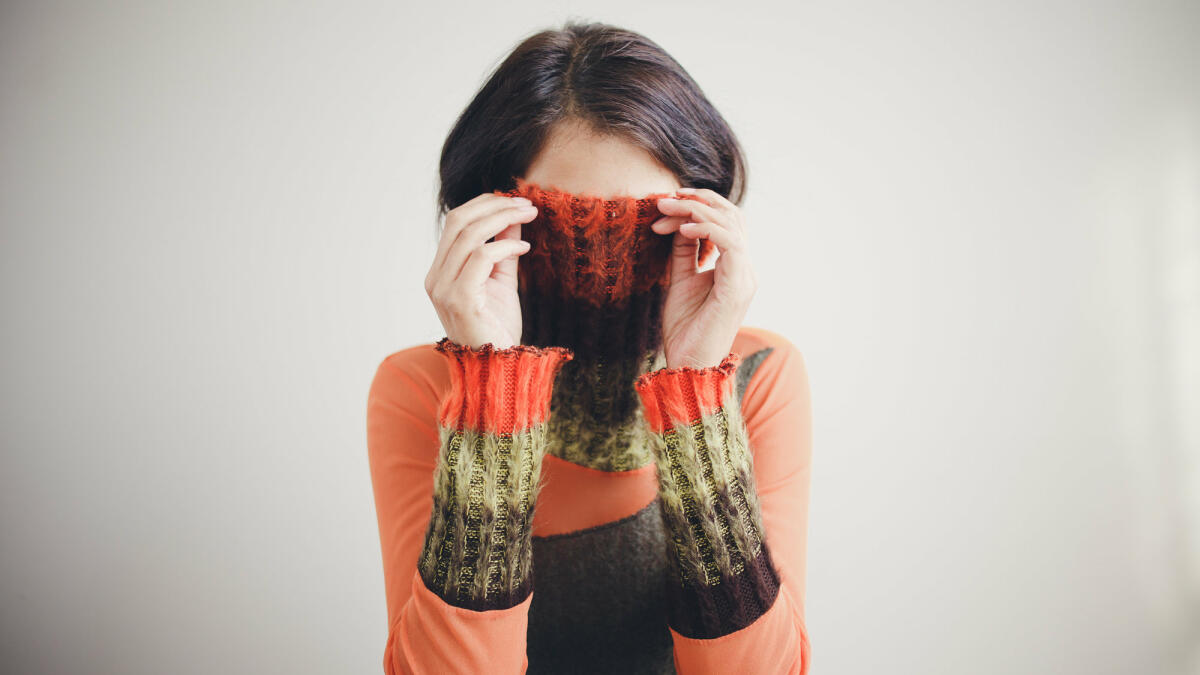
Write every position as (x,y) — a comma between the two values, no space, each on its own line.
(704,310)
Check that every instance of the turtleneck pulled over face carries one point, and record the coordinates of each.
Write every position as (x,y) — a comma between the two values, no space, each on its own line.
(595,274)
(594,281)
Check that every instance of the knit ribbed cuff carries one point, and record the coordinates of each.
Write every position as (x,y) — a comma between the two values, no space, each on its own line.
(674,396)
(724,576)
(499,390)
(477,552)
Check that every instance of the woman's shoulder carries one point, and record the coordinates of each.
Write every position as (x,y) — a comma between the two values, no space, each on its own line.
(421,360)
(771,366)
(402,407)
(414,376)
(750,339)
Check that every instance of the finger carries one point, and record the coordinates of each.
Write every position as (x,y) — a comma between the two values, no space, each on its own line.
(479,207)
(481,261)
(668,224)
(694,210)
(474,235)
(721,203)
(467,213)
(711,197)
(508,266)
(683,258)
(726,241)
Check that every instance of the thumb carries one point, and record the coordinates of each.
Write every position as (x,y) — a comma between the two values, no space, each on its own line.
(683,257)
(507,266)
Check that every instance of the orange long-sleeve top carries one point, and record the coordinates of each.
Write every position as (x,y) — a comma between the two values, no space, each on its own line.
(427,634)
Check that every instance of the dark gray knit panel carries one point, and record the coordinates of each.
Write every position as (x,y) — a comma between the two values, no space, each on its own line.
(599,602)
(747,367)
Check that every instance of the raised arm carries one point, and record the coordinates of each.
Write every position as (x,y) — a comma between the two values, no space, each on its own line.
(456,478)
(733,485)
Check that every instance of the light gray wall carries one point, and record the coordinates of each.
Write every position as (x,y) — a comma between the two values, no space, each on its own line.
(978,221)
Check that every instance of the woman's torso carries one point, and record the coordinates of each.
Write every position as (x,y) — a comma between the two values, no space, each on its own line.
(599,558)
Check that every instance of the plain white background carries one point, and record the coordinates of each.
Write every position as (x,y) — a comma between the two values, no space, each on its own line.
(980,222)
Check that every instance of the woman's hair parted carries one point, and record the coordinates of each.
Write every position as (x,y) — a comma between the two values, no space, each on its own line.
(616,81)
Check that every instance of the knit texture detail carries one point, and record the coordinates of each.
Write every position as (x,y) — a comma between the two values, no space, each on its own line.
(683,395)
(477,552)
(724,578)
(498,390)
(594,281)
(597,249)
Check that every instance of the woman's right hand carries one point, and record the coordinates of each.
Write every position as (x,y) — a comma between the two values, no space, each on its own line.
(473,281)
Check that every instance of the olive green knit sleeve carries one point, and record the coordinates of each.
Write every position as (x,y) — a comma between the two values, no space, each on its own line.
(492,427)
(723,576)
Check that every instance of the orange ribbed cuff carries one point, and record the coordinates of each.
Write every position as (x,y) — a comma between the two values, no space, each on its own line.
(499,390)
(683,395)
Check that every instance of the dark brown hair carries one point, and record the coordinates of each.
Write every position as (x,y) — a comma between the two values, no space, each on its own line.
(616,81)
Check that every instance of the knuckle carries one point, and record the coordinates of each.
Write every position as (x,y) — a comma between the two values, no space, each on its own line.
(473,229)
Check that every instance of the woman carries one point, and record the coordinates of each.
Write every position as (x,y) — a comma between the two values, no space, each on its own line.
(590,369)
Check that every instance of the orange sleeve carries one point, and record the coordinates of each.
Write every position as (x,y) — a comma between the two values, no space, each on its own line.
(416,420)
(739,605)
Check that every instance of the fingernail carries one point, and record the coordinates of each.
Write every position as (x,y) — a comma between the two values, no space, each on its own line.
(668,199)
(521,200)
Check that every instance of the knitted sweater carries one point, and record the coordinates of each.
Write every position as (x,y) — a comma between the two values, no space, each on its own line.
(569,504)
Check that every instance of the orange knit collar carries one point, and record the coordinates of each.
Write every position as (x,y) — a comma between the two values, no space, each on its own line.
(594,281)
(595,249)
